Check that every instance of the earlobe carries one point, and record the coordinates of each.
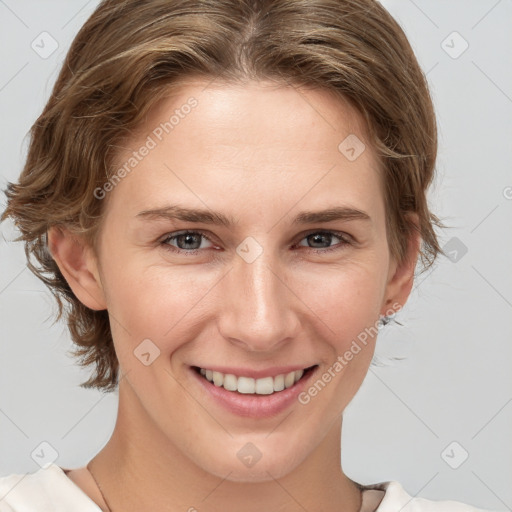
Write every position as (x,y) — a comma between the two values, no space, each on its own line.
(78,265)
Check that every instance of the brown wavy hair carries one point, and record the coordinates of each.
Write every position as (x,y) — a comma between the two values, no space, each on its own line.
(131,53)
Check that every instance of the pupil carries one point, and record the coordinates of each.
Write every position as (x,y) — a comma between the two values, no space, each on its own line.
(318,236)
(189,238)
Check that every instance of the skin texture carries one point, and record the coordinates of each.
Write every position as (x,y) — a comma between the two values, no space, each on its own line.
(261,153)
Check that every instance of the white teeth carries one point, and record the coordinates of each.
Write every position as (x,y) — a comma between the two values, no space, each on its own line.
(265,386)
(230,382)
(289,379)
(218,378)
(248,385)
(279,383)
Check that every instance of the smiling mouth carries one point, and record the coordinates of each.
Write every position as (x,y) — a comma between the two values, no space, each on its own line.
(248,385)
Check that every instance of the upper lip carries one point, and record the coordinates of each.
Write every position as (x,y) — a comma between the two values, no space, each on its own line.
(256,374)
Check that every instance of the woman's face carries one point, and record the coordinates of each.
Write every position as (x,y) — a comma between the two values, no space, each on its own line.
(263,284)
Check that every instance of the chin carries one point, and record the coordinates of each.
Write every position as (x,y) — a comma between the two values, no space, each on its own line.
(260,472)
(268,467)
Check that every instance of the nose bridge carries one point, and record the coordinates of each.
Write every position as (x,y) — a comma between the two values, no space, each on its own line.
(259,312)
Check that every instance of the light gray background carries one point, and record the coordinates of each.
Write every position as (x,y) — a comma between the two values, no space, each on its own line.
(455,383)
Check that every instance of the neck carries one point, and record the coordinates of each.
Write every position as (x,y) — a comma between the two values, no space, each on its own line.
(139,467)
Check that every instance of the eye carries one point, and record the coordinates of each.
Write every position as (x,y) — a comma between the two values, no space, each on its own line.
(317,238)
(186,241)
(190,242)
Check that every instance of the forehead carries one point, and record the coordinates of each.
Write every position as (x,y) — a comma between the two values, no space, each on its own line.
(240,147)
(251,113)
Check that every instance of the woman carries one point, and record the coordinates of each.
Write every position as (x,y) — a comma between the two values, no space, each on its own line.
(229,196)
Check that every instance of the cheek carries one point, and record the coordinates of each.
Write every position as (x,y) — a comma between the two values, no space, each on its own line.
(348,307)
(156,301)
(346,299)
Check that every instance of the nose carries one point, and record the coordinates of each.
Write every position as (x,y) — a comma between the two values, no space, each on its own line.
(259,308)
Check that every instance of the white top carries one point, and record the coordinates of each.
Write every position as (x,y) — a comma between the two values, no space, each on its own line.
(50,490)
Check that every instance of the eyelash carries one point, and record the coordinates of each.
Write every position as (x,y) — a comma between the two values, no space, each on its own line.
(344,237)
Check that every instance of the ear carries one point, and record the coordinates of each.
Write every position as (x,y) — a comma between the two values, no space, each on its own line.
(78,265)
(401,275)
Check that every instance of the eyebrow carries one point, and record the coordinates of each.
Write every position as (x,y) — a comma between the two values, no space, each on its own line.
(174,212)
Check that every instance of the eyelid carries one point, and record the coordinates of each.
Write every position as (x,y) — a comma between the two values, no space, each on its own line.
(340,234)
(174,234)
(346,240)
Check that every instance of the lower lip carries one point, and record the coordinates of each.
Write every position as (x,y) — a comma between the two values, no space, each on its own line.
(252,405)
